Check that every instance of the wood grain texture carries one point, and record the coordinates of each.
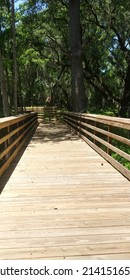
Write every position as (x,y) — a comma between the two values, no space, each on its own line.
(64,201)
(11,146)
(91,139)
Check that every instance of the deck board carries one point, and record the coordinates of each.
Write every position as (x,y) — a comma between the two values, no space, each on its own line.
(63,201)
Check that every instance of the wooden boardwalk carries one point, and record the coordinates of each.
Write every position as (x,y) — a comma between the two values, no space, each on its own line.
(63,201)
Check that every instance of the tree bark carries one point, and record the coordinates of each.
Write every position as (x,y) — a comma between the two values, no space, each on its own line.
(77,73)
(3,87)
(14,58)
(125,102)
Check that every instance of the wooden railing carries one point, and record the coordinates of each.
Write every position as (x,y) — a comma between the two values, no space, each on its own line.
(14,131)
(45,113)
(109,136)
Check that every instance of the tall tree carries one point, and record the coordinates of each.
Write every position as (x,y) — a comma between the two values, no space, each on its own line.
(77,73)
(3,83)
(14,57)
(3,78)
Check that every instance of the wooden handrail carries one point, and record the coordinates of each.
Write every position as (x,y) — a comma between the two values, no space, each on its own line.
(14,131)
(45,112)
(102,133)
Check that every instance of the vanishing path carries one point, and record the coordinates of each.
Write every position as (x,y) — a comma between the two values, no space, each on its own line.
(63,201)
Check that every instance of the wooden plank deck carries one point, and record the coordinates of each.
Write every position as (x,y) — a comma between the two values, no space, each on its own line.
(63,201)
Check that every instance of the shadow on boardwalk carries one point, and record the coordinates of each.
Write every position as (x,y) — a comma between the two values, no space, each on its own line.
(54,133)
(43,134)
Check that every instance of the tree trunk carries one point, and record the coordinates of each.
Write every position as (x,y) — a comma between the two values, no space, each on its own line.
(125,102)
(3,87)
(20,92)
(77,73)
(14,58)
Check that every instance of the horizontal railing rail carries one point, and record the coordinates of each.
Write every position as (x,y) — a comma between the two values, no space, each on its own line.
(45,112)
(109,136)
(14,131)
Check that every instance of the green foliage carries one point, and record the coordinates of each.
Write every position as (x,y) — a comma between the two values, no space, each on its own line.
(123,147)
(43,54)
(120,159)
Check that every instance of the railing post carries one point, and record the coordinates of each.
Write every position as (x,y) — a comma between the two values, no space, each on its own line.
(95,124)
(6,144)
(108,139)
(8,141)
